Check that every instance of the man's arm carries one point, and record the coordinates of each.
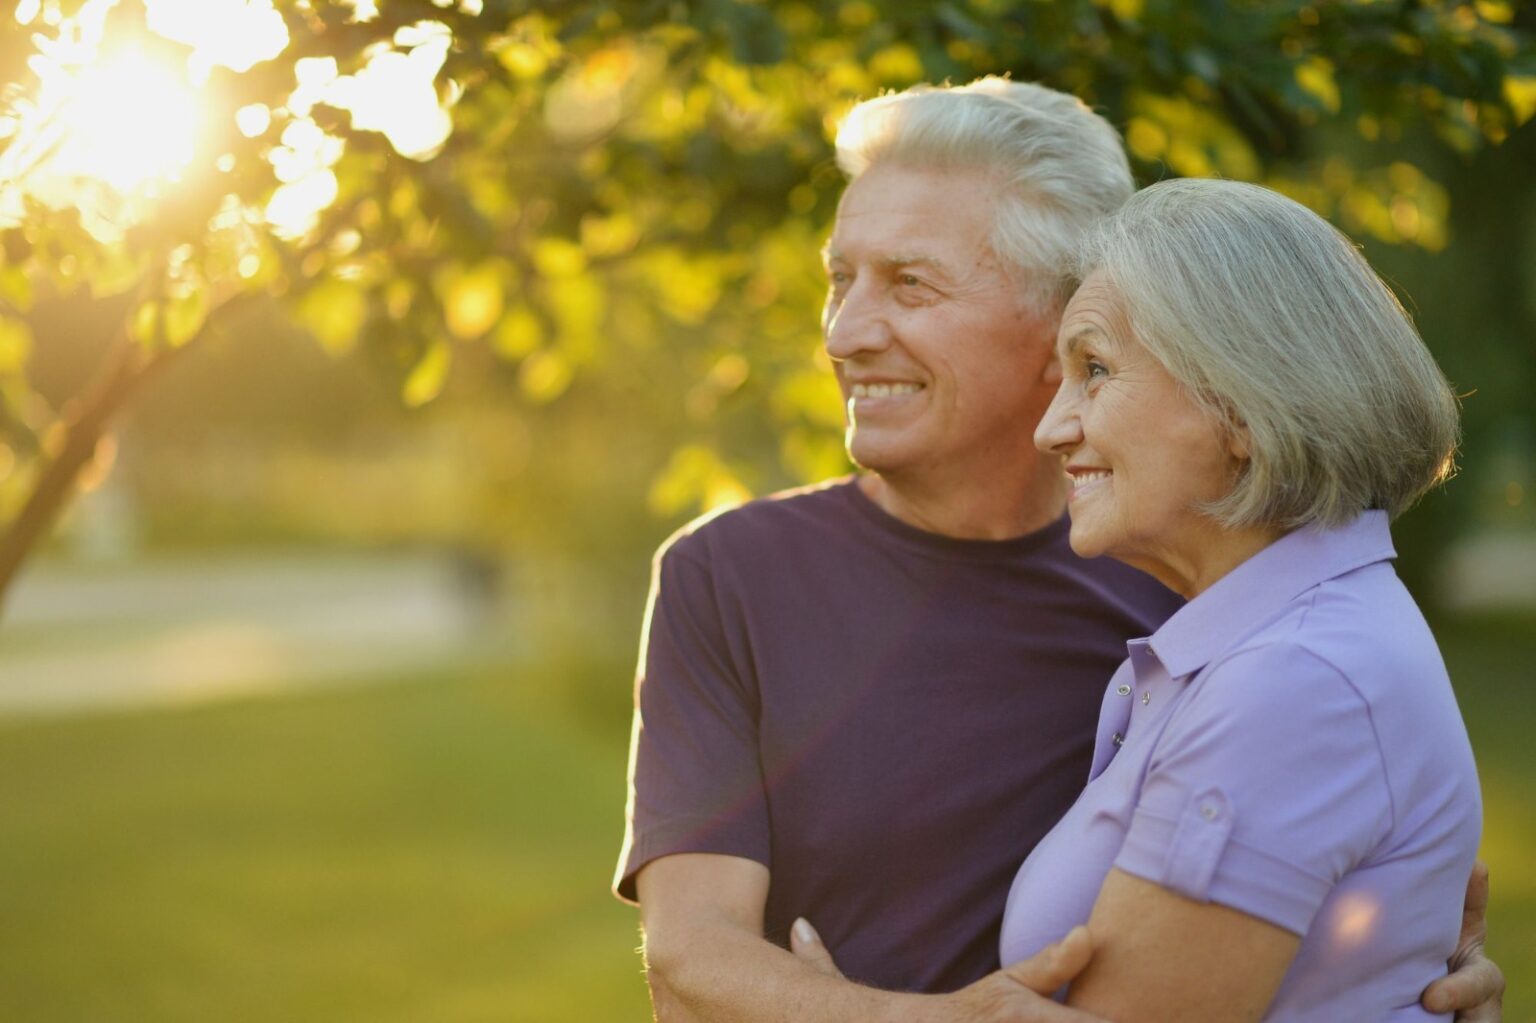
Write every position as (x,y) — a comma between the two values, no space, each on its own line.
(1474,990)
(707,960)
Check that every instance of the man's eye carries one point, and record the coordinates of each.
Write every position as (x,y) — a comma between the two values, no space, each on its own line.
(909,280)
(1095,369)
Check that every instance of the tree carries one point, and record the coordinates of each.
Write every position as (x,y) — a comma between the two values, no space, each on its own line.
(618,194)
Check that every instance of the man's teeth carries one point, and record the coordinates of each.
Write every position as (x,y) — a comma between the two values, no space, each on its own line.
(1082,479)
(884,390)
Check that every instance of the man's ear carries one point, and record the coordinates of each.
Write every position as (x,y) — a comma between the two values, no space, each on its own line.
(1050,373)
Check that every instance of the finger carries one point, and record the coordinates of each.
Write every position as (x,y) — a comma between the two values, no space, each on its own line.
(1055,965)
(1478,985)
(1475,908)
(807,946)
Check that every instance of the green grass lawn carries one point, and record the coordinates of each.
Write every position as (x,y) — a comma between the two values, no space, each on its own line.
(433,850)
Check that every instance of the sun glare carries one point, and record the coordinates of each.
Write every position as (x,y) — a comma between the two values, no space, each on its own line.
(131,122)
(108,127)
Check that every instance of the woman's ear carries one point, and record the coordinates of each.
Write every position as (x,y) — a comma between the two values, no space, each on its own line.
(1239,439)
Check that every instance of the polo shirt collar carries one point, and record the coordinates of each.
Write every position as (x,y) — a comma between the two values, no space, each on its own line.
(1254,592)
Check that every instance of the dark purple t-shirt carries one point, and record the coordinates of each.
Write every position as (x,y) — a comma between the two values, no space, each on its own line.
(888,719)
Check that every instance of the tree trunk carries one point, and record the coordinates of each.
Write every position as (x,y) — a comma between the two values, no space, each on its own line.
(83,422)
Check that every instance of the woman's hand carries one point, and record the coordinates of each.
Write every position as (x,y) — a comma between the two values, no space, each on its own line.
(1020,993)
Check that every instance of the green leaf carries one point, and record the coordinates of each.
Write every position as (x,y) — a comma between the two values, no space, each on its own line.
(427,378)
(16,287)
(144,324)
(545,375)
(118,271)
(184,316)
(15,346)
(333,312)
(518,333)
(472,298)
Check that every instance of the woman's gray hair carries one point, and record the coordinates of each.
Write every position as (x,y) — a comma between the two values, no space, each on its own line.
(1276,324)
(1060,167)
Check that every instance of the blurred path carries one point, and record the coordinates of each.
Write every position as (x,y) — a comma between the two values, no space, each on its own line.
(88,637)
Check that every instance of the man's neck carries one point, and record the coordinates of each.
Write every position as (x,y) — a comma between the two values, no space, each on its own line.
(998,509)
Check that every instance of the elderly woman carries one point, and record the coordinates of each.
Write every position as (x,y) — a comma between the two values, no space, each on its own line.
(1283,807)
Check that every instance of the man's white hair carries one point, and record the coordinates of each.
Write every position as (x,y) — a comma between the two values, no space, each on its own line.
(1275,323)
(1059,166)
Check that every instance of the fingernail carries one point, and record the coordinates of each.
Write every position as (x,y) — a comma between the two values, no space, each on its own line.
(804,931)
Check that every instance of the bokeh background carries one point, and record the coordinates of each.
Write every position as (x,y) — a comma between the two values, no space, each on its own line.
(355,356)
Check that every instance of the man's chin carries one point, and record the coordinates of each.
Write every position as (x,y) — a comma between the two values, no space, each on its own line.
(878,454)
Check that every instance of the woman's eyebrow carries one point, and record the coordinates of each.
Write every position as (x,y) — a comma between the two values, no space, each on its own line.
(1074,342)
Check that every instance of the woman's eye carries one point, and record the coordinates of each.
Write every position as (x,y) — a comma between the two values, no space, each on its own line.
(1094,369)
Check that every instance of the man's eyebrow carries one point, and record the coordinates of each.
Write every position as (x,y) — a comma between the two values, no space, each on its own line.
(895,261)
(900,259)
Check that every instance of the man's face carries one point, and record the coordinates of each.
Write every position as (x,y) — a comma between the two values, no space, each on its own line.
(942,363)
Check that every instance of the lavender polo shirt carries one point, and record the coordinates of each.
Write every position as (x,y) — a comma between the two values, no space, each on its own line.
(1287,744)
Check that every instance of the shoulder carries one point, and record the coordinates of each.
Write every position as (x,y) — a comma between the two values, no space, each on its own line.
(789,517)
(1359,633)
(1278,681)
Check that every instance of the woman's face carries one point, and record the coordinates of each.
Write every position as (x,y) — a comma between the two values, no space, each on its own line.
(1141,455)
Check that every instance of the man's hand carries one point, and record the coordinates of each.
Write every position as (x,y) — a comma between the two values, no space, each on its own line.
(1020,993)
(1475,987)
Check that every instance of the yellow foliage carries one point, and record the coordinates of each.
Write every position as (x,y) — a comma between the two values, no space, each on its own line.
(15,345)
(857,14)
(609,236)
(810,395)
(578,305)
(1145,139)
(473,298)
(813,454)
(1124,10)
(1497,11)
(1520,93)
(696,476)
(898,64)
(545,375)
(184,316)
(558,257)
(518,333)
(333,310)
(1315,76)
(1198,142)
(428,376)
(686,289)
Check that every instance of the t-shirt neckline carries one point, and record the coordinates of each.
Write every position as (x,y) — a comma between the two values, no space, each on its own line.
(949,546)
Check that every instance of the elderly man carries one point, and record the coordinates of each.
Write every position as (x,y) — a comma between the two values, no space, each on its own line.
(867,700)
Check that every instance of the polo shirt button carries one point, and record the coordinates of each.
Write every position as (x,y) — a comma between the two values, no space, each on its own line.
(1117,739)
(1124,690)
(1208,812)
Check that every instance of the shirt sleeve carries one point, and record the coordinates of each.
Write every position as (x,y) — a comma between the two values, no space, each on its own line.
(1266,788)
(695,784)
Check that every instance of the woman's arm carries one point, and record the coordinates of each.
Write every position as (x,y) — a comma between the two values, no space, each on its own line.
(1160,956)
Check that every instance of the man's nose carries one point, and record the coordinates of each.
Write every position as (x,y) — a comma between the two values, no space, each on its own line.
(855,323)
(1060,430)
